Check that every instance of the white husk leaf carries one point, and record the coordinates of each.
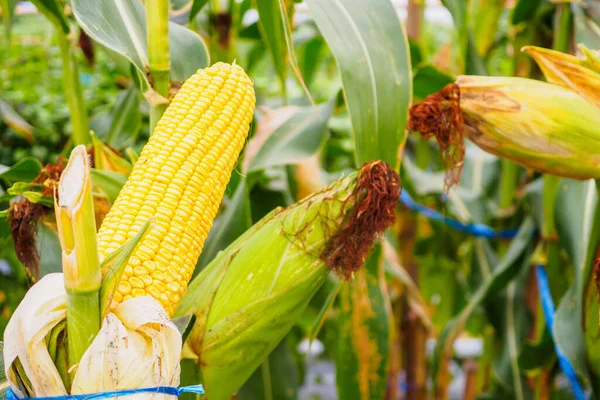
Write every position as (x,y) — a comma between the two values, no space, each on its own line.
(138,346)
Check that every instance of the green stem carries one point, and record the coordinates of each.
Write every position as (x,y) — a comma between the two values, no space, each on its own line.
(508,183)
(159,57)
(81,266)
(73,91)
(563,28)
(81,327)
(266,376)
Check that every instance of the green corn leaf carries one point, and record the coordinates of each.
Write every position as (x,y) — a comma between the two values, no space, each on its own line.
(507,268)
(24,170)
(16,122)
(53,10)
(114,265)
(272,30)
(578,225)
(120,25)
(364,337)
(110,182)
(377,79)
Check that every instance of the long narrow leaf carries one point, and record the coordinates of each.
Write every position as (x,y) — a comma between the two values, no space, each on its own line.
(504,272)
(377,79)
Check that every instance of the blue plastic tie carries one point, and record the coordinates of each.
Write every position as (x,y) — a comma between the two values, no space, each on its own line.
(169,390)
(479,230)
(548,307)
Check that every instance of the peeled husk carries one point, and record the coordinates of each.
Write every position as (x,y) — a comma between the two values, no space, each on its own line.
(137,346)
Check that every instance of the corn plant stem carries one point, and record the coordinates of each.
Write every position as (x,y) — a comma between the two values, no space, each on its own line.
(73,91)
(563,28)
(414,333)
(508,183)
(415,18)
(159,57)
(82,327)
(266,378)
(81,266)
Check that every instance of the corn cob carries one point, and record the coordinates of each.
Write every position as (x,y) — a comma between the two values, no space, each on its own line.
(248,298)
(179,179)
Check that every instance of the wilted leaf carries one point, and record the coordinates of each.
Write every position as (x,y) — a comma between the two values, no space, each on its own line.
(364,336)
(120,25)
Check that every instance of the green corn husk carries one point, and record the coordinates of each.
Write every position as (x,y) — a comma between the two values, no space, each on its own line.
(542,126)
(580,75)
(247,299)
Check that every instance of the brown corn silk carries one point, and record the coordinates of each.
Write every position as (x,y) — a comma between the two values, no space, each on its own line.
(24,216)
(439,115)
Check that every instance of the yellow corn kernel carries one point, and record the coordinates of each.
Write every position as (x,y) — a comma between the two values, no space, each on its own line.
(179,179)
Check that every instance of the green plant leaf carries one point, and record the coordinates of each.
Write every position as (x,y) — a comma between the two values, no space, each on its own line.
(114,265)
(524,10)
(586,24)
(327,306)
(429,80)
(507,268)
(196,7)
(53,10)
(8,15)
(272,30)
(513,329)
(110,182)
(16,122)
(577,222)
(120,25)
(377,79)
(364,337)
(3,381)
(49,250)
(228,226)
(126,119)
(24,170)
(473,63)
(295,140)
(277,378)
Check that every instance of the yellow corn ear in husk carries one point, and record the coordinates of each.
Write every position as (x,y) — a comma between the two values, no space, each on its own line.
(248,298)
(541,126)
(580,75)
(138,346)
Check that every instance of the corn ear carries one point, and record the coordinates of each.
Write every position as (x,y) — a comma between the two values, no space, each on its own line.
(541,126)
(138,346)
(180,178)
(580,75)
(251,294)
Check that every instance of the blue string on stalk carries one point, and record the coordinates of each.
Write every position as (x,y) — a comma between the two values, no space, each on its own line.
(484,231)
(478,230)
(548,307)
(169,390)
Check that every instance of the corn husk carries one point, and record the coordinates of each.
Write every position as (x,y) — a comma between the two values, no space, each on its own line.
(580,75)
(138,346)
(541,126)
(248,298)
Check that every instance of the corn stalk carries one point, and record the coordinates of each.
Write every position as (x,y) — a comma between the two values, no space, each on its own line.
(159,57)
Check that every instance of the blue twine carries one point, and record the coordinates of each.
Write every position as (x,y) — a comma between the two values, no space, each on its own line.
(548,307)
(127,392)
(479,230)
